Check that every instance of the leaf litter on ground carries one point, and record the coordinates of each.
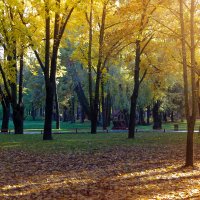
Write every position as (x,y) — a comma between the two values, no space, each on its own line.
(119,172)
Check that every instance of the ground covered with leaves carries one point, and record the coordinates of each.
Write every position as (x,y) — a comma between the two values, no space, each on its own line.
(100,167)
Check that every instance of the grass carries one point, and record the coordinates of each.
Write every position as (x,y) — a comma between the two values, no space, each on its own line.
(87,142)
(170,126)
(83,141)
(103,166)
(37,126)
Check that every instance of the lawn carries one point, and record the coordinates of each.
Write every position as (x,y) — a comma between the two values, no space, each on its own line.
(102,166)
(85,142)
(37,126)
(68,127)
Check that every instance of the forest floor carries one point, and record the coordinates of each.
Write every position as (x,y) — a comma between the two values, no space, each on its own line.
(98,167)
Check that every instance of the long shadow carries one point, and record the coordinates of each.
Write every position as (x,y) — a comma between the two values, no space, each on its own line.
(106,185)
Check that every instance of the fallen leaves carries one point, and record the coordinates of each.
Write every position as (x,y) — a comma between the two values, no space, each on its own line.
(129,173)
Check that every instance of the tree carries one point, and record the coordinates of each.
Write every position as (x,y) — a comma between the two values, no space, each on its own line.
(190,111)
(56,17)
(142,39)
(6,111)
(14,43)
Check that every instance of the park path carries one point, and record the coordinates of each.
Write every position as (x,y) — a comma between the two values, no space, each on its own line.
(120,131)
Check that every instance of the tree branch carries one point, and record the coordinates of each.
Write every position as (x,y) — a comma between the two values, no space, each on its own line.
(143,76)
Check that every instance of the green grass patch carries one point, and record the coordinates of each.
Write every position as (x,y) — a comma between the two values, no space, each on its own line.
(87,142)
(68,127)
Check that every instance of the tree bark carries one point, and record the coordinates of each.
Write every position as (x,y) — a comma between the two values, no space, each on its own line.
(108,109)
(132,120)
(90,58)
(165,117)
(104,125)
(18,118)
(33,112)
(172,116)
(6,114)
(189,111)
(98,75)
(82,115)
(82,99)
(48,113)
(48,84)
(148,114)
(157,118)
(141,117)
(57,109)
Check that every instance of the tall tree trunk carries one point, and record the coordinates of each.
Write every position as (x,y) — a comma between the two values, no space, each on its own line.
(48,113)
(65,114)
(90,62)
(141,117)
(47,135)
(148,114)
(157,121)
(82,115)
(82,99)
(98,75)
(6,114)
(72,110)
(165,116)
(57,109)
(18,110)
(104,125)
(108,109)
(33,112)
(172,116)
(94,116)
(189,145)
(189,111)
(134,97)
(16,102)
(18,118)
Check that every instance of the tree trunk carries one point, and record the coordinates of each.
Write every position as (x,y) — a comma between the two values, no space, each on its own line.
(172,116)
(141,117)
(57,109)
(108,109)
(157,121)
(48,112)
(104,125)
(148,114)
(18,118)
(165,117)
(47,135)
(189,146)
(33,112)
(94,118)
(82,99)
(65,114)
(90,64)
(72,110)
(6,114)
(99,70)
(190,111)
(82,115)
(134,97)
